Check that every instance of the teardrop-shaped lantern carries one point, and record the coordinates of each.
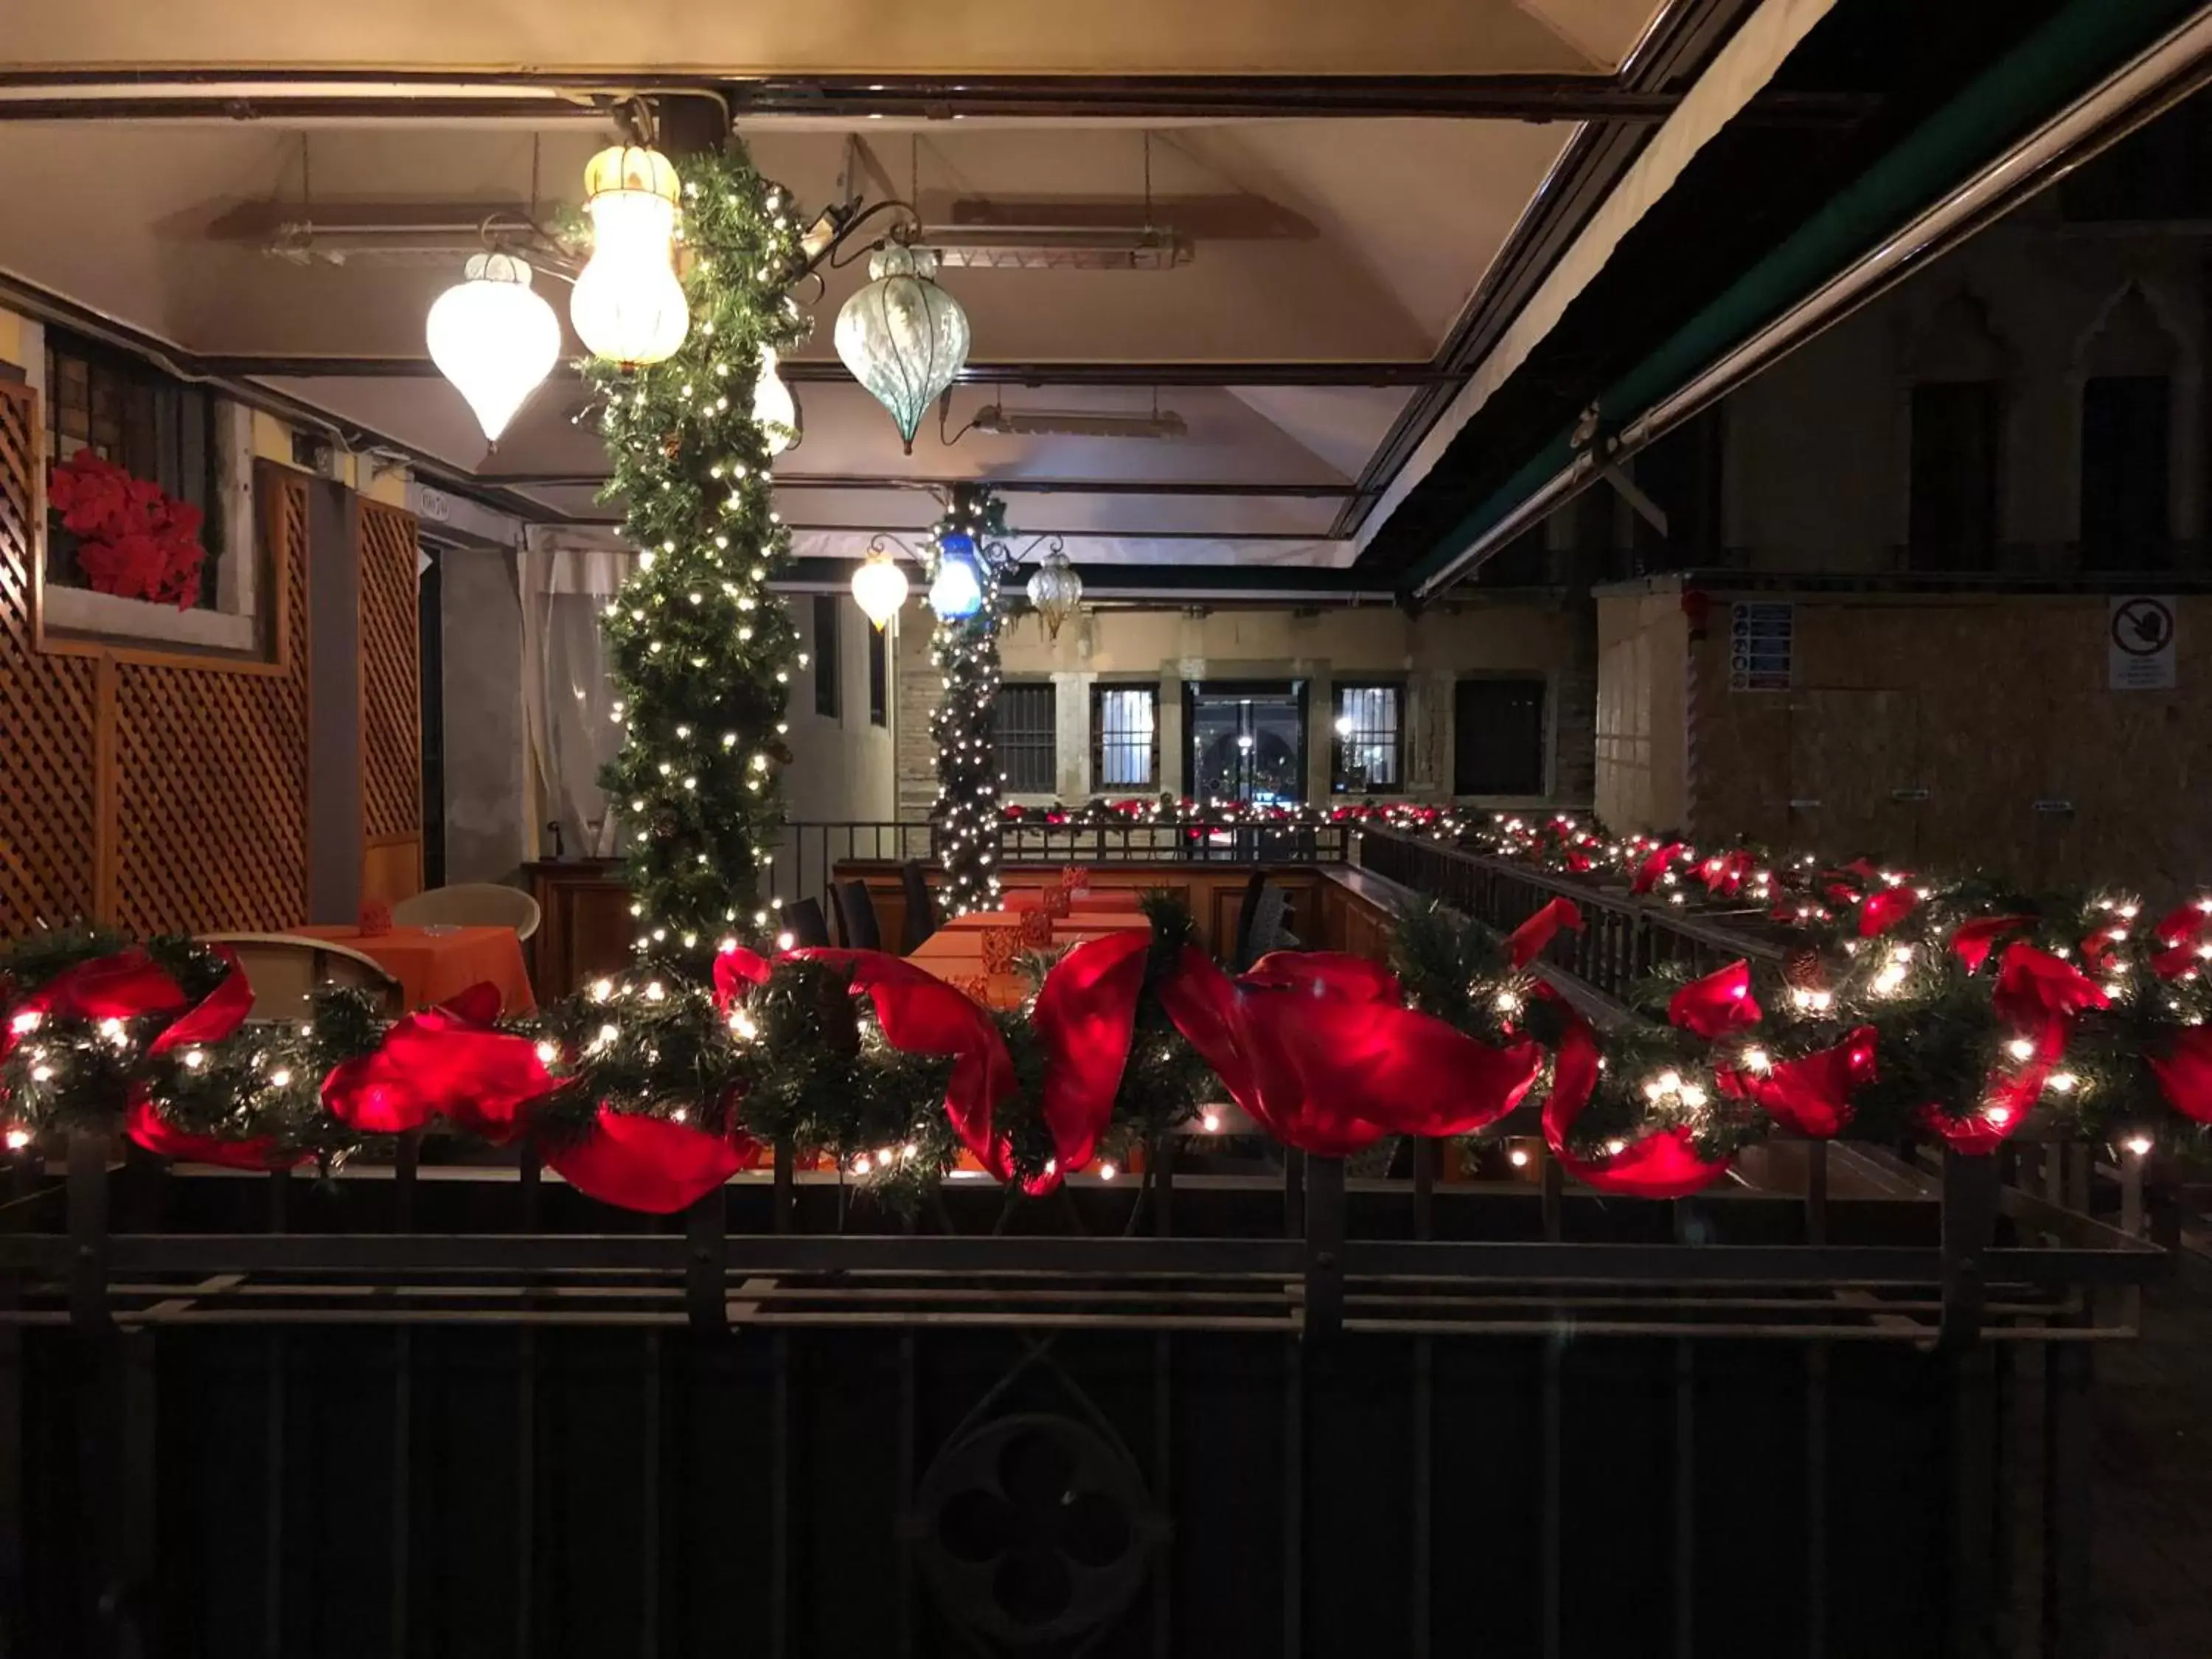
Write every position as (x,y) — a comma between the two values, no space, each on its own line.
(904,337)
(1055,590)
(879,587)
(628,304)
(494,338)
(776,411)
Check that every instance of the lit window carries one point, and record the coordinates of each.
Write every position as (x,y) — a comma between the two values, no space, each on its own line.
(1368,739)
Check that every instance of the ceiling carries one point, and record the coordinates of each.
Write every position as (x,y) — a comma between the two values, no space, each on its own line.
(844,37)
(1381,207)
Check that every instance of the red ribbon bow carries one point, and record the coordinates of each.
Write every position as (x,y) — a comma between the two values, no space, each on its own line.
(1812,1095)
(211,1020)
(1972,941)
(1315,1047)
(1527,942)
(1883,910)
(1085,1018)
(920,1014)
(1662,1165)
(442,1062)
(2184,1073)
(1718,1004)
(652,1164)
(1653,866)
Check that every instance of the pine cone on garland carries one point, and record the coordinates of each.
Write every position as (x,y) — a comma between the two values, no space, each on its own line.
(1804,970)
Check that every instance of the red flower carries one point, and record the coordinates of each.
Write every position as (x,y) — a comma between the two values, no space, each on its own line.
(135,541)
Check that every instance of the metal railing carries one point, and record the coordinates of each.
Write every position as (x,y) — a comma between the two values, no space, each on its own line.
(809,851)
(1623,938)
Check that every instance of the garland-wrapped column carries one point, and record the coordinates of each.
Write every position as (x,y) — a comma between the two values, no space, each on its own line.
(964,724)
(701,652)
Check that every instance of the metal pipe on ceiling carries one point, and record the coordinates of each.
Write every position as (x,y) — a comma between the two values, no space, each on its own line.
(2146,87)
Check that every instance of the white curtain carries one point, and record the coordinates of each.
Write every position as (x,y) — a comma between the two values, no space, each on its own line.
(568,578)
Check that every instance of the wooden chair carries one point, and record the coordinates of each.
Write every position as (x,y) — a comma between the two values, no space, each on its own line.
(470,904)
(805,922)
(285,970)
(856,916)
(920,907)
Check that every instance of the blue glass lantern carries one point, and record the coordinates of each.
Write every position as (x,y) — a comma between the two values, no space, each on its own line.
(957,590)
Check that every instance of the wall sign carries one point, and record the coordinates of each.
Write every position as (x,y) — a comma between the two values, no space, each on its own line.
(2139,643)
(1760,636)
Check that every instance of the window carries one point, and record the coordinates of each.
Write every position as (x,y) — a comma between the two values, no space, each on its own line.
(829,671)
(879,675)
(154,426)
(1370,739)
(1498,738)
(1245,740)
(1028,719)
(2125,452)
(1125,737)
(1954,515)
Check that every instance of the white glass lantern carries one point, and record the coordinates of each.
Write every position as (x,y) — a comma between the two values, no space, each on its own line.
(627,305)
(904,337)
(495,338)
(879,587)
(1055,590)
(776,411)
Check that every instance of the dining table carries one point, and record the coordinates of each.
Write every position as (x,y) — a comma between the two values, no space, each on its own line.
(954,953)
(436,964)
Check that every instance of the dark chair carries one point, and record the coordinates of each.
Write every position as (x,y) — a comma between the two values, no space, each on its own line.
(1239,949)
(1271,927)
(921,906)
(856,916)
(804,922)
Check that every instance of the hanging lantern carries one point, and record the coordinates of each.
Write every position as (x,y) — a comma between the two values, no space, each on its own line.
(904,337)
(494,338)
(776,411)
(1055,590)
(957,590)
(627,305)
(879,587)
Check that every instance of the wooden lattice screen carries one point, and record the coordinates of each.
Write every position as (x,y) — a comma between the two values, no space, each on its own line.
(149,790)
(210,826)
(47,865)
(390,677)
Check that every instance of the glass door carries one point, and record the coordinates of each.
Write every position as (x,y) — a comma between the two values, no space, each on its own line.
(1246,741)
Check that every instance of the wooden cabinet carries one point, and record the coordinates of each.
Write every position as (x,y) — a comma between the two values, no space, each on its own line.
(585,929)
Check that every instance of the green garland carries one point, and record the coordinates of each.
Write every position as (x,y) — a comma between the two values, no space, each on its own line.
(699,647)
(964,725)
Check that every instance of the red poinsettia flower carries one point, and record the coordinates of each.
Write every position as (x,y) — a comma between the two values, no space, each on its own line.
(134,540)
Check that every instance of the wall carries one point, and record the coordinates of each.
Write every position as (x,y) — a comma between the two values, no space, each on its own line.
(842,769)
(487,826)
(1643,644)
(1995,707)
(1532,635)
(1819,446)
(162,792)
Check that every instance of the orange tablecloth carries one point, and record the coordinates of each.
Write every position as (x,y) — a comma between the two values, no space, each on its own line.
(1081,924)
(432,967)
(954,952)
(1098,901)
